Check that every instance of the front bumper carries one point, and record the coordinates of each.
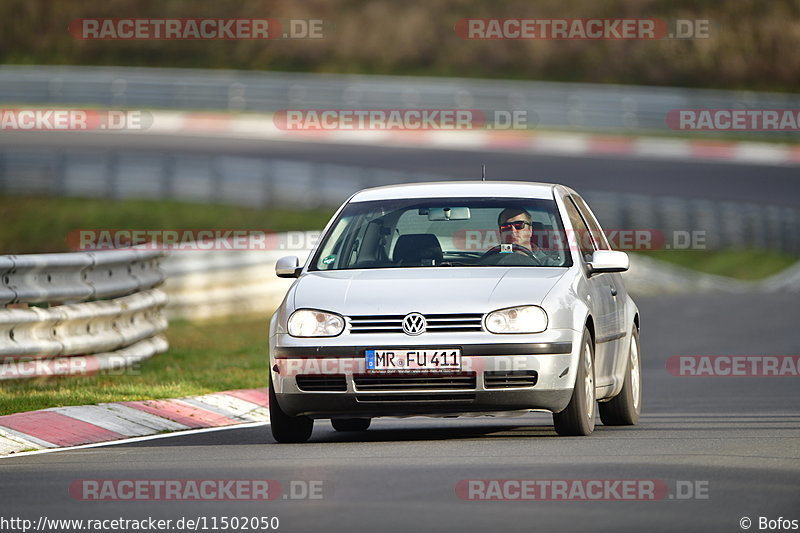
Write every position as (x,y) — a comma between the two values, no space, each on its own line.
(339,389)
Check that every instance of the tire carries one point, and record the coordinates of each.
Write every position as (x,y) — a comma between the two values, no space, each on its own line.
(286,428)
(578,419)
(624,408)
(350,424)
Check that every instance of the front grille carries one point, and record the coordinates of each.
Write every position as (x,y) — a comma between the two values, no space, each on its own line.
(411,382)
(450,323)
(507,379)
(416,398)
(315,383)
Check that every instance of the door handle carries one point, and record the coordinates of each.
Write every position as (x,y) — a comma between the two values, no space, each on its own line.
(613,290)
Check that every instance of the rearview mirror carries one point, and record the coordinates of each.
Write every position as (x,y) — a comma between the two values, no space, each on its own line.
(609,261)
(448,213)
(288,267)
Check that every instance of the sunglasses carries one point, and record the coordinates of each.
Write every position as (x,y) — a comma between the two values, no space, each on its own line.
(517,225)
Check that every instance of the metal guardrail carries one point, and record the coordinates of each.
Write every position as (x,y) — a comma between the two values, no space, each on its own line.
(73,335)
(262,182)
(74,277)
(620,108)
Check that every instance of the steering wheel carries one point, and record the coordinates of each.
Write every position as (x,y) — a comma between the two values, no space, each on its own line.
(526,258)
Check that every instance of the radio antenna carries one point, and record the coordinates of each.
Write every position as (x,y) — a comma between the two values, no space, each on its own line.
(483,172)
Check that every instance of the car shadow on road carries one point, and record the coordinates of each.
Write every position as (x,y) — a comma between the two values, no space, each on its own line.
(382,431)
(460,432)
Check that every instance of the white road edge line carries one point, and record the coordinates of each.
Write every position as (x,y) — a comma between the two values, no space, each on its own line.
(136,439)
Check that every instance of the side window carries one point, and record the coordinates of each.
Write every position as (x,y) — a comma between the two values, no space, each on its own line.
(598,234)
(581,231)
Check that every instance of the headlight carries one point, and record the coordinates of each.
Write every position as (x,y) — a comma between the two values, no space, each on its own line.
(523,319)
(311,323)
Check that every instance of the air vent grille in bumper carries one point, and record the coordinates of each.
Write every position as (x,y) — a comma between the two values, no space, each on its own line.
(507,379)
(327,383)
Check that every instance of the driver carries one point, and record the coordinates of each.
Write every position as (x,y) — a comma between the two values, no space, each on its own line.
(516,228)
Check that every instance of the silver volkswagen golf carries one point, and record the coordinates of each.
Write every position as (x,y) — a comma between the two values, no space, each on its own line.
(456,299)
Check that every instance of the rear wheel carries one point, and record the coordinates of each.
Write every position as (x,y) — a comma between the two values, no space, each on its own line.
(287,428)
(350,424)
(578,419)
(624,408)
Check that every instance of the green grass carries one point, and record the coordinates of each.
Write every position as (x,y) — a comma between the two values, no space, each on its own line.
(37,224)
(201,359)
(737,264)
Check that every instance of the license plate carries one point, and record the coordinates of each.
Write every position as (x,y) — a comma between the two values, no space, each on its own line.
(411,360)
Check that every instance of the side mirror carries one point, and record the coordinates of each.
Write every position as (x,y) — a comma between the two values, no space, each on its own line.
(609,261)
(288,267)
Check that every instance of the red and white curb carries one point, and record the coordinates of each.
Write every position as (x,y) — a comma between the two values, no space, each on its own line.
(59,427)
(262,127)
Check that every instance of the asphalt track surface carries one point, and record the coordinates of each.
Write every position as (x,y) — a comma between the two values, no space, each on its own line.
(716,180)
(735,439)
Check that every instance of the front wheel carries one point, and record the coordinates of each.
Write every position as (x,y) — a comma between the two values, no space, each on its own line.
(286,428)
(578,418)
(624,408)
(350,424)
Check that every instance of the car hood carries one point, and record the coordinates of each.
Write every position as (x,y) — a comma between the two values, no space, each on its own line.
(424,290)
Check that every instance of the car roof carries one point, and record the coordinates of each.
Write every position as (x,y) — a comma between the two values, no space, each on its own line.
(450,189)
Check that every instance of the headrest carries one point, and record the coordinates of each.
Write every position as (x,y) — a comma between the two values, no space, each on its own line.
(417,249)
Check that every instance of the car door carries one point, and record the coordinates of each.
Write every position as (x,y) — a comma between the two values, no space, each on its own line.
(601,289)
(618,319)
(616,286)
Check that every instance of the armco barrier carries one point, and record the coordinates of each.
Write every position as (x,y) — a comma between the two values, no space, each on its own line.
(75,277)
(102,311)
(79,329)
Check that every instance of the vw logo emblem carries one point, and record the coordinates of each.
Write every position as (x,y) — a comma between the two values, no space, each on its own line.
(414,324)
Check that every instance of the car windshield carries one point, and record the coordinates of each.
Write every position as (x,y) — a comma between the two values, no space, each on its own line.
(448,232)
